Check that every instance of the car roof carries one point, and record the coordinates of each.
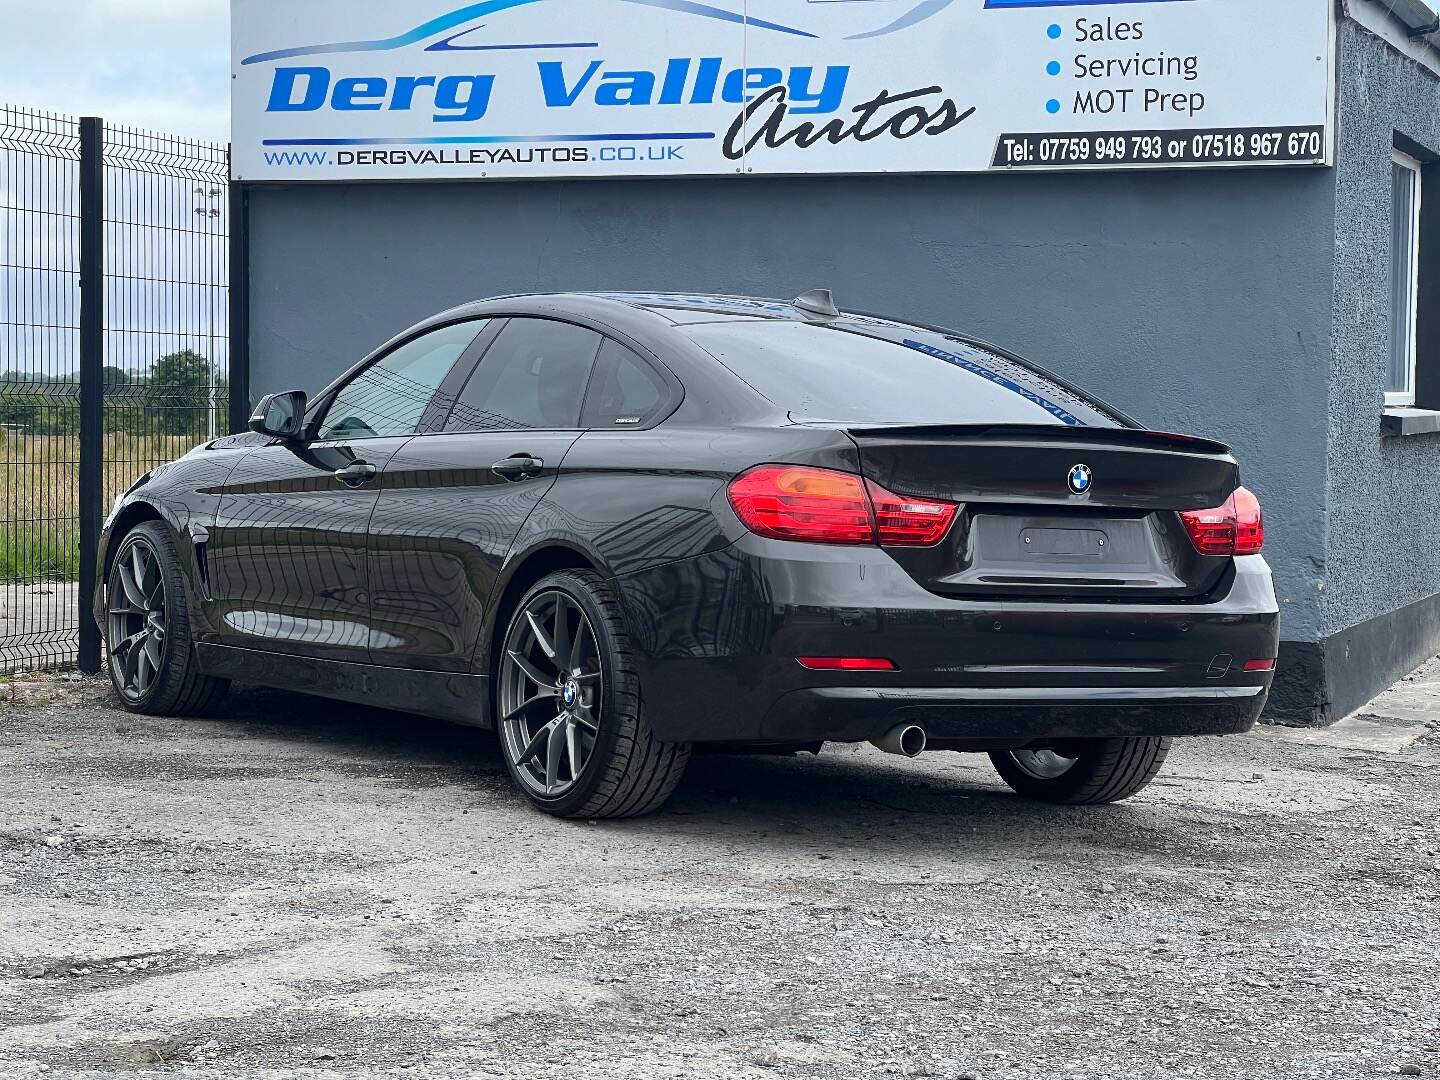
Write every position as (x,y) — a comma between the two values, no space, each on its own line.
(675,308)
(682,308)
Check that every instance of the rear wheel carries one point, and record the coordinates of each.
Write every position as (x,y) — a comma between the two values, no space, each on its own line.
(1083,771)
(147,630)
(570,716)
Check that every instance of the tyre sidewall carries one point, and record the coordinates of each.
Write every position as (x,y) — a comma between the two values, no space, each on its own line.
(176,635)
(1092,779)
(1059,789)
(615,675)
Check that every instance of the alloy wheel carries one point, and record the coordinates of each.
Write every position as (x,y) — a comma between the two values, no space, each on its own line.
(135,606)
(551,685)
(1043,764)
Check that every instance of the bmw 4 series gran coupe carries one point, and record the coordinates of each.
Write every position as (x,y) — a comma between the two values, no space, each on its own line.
(618,526)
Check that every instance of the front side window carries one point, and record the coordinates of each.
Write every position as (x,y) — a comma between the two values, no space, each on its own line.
(532,377)
(389,396)
(1404,278)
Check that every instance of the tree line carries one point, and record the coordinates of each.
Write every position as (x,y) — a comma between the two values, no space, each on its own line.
(174,398)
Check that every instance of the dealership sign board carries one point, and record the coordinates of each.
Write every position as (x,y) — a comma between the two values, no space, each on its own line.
(509,89)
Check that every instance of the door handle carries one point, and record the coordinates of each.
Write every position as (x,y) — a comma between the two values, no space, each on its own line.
(519,467)
(356,473)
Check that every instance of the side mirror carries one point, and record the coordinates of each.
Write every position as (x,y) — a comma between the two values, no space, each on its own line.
(281,416)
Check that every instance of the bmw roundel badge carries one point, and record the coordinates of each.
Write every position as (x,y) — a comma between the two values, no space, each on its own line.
(1080,479)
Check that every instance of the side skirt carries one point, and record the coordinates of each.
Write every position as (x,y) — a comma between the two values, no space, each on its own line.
(462,698)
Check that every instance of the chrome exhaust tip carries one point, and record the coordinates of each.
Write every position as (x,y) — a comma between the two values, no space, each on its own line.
(907,740)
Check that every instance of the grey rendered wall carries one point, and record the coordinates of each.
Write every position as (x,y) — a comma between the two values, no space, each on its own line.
(1198,301)
(1382,552)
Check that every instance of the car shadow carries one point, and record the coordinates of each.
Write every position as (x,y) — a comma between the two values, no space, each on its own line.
(839,803)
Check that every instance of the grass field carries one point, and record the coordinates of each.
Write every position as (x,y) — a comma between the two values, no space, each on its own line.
(39,496)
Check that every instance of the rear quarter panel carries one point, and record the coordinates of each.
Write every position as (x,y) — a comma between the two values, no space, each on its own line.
(633,500)
(630,501)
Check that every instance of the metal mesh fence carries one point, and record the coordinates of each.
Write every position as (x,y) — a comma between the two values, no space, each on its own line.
(166,330)
(39,387)
(166,346)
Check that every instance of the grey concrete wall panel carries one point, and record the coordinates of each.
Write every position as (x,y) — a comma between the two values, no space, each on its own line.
(1199,301)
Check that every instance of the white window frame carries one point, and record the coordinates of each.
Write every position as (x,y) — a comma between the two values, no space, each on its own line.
(1412,291)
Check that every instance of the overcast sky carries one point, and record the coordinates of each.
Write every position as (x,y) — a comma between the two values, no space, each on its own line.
(159,64)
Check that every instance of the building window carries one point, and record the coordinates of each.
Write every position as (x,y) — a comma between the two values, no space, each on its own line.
(1404,278)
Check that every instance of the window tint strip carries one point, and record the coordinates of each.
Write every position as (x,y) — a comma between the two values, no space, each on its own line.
(995,377)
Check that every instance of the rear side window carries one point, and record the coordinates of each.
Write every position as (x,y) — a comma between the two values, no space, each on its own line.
(827,373)
(389,396)
(533,376)
(624,391)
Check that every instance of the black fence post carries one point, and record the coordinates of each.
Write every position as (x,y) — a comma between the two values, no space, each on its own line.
(92,375)
(239,300)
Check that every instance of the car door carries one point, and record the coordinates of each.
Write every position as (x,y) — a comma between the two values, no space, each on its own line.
(287,555)
(451,503)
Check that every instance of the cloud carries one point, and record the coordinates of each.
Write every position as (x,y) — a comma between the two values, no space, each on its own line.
(158,64)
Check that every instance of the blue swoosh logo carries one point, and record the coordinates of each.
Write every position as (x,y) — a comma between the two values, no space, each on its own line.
(448,44)
(918,14)
(926,9)
(460,16)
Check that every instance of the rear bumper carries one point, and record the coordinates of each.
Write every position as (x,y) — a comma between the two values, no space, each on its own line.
(1011,714)
(715,639)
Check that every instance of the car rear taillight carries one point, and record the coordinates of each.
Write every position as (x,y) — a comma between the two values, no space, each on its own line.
(787,502)
(823,506)
(901,521)
(1249,523)
(1236,528)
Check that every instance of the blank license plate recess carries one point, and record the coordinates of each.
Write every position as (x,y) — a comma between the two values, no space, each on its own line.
(1063,542)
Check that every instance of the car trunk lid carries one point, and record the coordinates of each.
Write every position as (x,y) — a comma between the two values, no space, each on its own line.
(1052,511)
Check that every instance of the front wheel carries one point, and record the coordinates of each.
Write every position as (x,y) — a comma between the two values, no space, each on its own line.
(147,630)
(1083,771)
(570,715)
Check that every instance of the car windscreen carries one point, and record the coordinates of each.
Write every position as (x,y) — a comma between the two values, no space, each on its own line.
(825,372)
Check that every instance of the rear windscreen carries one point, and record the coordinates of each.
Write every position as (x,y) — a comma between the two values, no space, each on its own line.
(829,373)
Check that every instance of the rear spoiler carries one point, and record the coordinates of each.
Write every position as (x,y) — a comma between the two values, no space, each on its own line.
(1139,438)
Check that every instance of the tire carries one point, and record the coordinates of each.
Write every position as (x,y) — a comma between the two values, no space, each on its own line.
(588,706)
(1100,770)
(163,678)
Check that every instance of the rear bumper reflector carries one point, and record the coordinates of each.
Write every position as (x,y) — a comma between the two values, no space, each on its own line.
(846,663)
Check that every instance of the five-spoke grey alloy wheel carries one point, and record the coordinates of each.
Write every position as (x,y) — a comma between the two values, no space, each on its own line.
(569,706)
(136,619)
(551,693)
(148,639)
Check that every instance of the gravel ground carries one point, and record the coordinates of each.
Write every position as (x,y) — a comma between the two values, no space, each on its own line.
(309,889)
